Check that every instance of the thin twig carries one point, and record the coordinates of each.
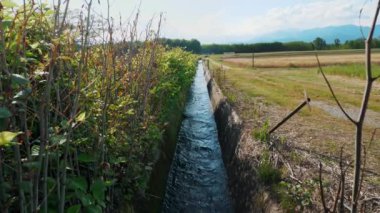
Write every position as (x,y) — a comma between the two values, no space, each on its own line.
(360,19)
(337,196)
(332,91)
(321,189)
(342,180)
(372,137)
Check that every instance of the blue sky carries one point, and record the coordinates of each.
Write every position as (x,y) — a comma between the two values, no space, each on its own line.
(239,20)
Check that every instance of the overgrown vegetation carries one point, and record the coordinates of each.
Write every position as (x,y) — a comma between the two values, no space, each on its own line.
(81,114)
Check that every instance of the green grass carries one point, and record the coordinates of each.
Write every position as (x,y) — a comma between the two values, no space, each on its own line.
(267,173)
(351,70)
(284,88)
(263,133)
(295,53)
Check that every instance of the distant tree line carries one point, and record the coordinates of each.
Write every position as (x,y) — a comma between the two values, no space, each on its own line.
(192,45)
(258,47)
(318,43)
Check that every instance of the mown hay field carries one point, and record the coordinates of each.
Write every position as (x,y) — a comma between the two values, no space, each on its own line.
(300,59)
(273,88)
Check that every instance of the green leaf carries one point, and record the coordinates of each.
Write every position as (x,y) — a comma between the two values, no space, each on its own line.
(5,113)
(7,137)
(86,199)
(51,182)
(7,24)
(32,164)
(86,158)
(108,183)
(8,3)
(78,183)
(93,209)
(58,139)
(130,112)
(74,209)
(26,186)
(65,124)
(65,58)
(35,150)
(81,117)
(34,45)
(16,102)
(49,12)
(23,94)
(98,189)
(119,160)
(19,79)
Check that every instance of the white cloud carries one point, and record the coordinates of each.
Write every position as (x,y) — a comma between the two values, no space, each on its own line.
(227,21)
(204,27)
(312,14)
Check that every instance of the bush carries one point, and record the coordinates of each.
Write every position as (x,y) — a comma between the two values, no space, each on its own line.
(293,195)
(84,118)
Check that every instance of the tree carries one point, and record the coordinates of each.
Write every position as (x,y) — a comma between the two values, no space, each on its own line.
(319,43)
(337,42)
(359,121)
(192,45)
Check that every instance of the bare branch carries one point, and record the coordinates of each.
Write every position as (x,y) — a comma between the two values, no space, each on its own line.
(360,19)
(321,189)
(373,26)
(337,196)
(362,170)
(64,17)
(363,109)
(332,91)
(3,61)
(371,199)
(340,191)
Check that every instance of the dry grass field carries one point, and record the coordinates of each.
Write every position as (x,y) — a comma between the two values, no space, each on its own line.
(296,59)
(273,88)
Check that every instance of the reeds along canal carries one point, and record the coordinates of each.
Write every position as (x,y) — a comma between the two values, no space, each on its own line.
(197,179)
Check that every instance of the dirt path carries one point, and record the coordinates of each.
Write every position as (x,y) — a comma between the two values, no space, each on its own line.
(372,119)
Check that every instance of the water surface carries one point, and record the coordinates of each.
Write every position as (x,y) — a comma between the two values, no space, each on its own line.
(197,179)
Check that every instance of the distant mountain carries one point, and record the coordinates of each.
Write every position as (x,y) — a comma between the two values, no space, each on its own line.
(344,33)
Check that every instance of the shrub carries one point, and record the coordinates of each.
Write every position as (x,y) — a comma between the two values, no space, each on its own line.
(87,117)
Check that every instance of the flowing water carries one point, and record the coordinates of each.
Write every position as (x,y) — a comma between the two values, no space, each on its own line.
(197,179)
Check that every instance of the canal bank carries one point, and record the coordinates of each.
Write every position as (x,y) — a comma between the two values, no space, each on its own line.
(242,182)
(247,193)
